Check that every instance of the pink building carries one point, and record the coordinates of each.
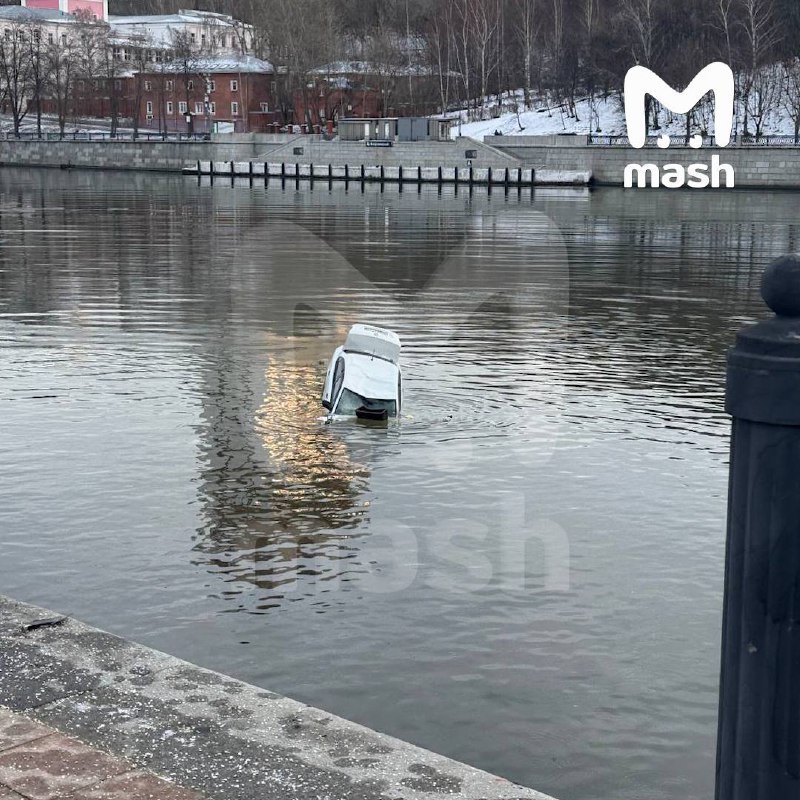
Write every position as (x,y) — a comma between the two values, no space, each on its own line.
(97,7)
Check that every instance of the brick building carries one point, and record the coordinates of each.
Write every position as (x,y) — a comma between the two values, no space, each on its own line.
(324,101)
(224,93)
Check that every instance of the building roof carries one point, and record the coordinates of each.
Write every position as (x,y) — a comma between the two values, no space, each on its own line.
(223,63)
(363,68)
(184,15)
(24,14)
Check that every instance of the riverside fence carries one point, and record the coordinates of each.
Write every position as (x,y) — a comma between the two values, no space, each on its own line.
(598,140)
(103,136)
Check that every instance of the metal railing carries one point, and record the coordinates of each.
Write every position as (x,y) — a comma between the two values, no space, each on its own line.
(101,136)
(739,140)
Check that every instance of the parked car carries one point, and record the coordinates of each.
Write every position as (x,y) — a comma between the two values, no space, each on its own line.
(363,377)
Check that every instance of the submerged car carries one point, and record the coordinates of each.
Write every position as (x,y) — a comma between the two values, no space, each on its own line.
(363,376)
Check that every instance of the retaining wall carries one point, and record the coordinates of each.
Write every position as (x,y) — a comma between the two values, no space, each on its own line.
(140,155)
(407,154)
(755,167)
(174,156)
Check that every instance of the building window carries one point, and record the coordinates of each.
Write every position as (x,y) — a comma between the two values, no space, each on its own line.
(170,107)
(212,86)
(213,108)
(199,108)
(148,87)
(234,109)
(203,40)
(265,108)
(49,38)
(223,40)
(182,107)
(158,56)
(149,108)
(234,86)
(169,85)
(193,38)
(190,86)
(63,39)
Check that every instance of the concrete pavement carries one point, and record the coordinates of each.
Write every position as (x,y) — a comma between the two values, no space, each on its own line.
(114,709)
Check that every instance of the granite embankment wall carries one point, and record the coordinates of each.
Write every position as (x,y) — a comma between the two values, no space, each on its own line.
(406,154)
(170,156)
(173,156)
(209,732)
(755,167)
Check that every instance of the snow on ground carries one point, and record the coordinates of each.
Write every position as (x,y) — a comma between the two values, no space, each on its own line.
(50,125)
(544,120)
(606,115)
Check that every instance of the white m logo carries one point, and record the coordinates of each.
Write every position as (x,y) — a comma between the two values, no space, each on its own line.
(716,77)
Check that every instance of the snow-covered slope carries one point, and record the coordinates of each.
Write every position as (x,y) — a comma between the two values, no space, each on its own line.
(607,119)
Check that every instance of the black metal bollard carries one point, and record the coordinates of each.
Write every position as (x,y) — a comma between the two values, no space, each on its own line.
(758,746)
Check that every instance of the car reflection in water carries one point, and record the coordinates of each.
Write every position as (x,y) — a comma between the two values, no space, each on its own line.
(280,486)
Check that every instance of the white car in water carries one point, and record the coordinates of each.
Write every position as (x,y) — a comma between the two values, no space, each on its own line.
(363,376)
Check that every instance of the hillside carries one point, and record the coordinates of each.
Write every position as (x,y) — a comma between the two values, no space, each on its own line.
(608,120)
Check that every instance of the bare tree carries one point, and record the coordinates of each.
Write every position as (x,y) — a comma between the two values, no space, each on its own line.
(300,50)
(113,75)
(761,34)
(16,71)
(764,95)
(790,99)
(589,13)
(526,28)
(141,67)
(61,67)
(485,24)
(385,62)
(645,42)
(90,44)
(38,67)
(186,64)
(439,40)
(462,46)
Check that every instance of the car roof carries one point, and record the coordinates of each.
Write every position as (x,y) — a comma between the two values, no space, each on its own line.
(373,341)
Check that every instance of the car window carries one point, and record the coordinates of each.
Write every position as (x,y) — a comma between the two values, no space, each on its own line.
(350,401)
(338,379)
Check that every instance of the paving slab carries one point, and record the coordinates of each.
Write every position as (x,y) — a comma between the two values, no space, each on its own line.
(16,730)
(209,732)
(54,766)
(134,786)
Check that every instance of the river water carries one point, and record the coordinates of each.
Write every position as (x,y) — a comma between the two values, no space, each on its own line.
(523,573)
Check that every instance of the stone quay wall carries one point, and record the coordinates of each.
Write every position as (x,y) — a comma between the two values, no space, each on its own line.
(169,156)
(756,167)
(173,156)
